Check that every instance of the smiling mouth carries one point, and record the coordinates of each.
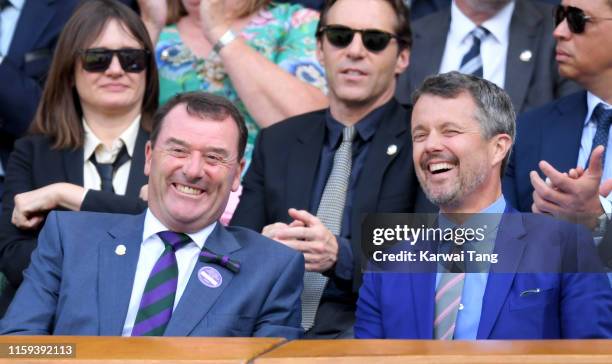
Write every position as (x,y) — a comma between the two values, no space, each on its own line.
(353,72)
(187,190)
(439,168)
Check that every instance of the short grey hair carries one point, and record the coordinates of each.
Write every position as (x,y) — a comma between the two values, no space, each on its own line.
(494,109)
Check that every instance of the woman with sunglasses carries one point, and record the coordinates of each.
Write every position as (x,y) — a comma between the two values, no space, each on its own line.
(86,145)
(258,54)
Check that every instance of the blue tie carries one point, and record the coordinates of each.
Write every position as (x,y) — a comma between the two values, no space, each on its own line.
(471,63)
(603,119)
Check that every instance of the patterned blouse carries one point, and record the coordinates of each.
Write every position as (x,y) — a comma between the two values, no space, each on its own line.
(283,33)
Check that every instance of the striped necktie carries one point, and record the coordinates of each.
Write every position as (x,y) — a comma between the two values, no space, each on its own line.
(157,300)
(471,63)
(603,119)
(330,212)
(448,298)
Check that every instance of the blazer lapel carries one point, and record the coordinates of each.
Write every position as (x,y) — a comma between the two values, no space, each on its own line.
(303,162)
(561,135)
(198,299)
(523,37)
(116,273)
(73,165)
(137,178)
(33,20)
(510,246)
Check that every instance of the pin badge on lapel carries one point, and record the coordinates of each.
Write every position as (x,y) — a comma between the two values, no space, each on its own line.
(120,249)
(210,277)
(392,149)
(526,55)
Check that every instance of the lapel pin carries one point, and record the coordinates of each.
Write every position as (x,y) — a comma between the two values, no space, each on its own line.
(392,149)
(210,277)
(526,55)
(120,249)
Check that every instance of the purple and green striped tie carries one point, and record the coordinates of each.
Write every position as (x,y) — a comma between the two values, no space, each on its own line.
(157,299)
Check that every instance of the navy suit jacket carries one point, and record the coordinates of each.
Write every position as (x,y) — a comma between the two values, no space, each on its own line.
(551,133)
(78,285)
(285,165)
(34,164)
(568,305)
(529,84)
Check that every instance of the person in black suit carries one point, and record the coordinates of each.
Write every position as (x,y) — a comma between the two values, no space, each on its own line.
(86,148)
(517,53)
(293,163)
(25,64)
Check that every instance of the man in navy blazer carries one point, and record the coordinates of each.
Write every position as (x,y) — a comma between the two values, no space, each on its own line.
(562,136)
(546,277)
(93,273)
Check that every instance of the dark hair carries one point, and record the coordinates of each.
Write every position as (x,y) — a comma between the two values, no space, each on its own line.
(203,105)
(59,113)
(402,28)
(494,109)
(176,9)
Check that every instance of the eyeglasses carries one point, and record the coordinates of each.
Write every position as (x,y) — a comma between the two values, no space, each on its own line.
(99,59)
(576,18)
(373,40)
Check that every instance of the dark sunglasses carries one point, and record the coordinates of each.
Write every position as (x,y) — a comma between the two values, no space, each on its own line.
(99,59)
(373,40)
(576,18)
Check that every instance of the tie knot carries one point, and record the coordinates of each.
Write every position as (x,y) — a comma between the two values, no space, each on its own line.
(479,33)
(4,4)
(173,239)
(602,116)
(348,134)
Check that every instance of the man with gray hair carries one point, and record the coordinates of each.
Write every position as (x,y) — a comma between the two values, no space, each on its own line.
(462,130)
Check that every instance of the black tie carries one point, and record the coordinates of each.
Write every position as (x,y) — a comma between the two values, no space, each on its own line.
(108,170)
(4,4)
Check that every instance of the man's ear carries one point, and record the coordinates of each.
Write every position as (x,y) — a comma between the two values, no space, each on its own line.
(501,145)
(236,181)
(320,52)
(148,155)
(403,60)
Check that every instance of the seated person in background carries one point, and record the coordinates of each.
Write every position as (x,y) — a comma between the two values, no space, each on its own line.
(86,148)
(258,54)
(172,270)
(508,42)
(467,123)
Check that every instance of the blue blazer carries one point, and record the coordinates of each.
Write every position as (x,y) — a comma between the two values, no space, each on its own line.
(551,133)
(571,305)
(77,285)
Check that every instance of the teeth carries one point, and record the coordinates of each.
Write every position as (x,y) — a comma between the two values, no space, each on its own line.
(353,72)
(434,167)
(188,190)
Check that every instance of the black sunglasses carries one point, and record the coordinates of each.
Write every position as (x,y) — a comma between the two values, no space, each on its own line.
(576,18)
(99,59)
(373,40)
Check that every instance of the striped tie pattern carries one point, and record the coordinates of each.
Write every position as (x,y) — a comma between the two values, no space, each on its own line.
(471,63)
(157,299)
(448,297)
(603,119)
(330,212)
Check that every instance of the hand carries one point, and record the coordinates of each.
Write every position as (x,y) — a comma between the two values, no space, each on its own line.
(31,207)
(308,235)
(144,193)
(215,19)
(569,195)
(154,14)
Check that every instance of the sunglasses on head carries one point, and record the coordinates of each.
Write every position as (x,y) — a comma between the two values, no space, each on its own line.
(373,40)
(576,18)
(99,59)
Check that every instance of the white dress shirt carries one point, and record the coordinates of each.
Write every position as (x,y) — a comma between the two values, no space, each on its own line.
(151,249)
(91,178)
(493,48)
(586,143)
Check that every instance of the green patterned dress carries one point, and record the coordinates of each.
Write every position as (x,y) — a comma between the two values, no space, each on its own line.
(283,33)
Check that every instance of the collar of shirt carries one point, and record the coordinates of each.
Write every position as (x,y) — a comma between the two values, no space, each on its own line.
(592,102)
(498,25)
(152,226)
(366,127)
(489,216)
(128,137)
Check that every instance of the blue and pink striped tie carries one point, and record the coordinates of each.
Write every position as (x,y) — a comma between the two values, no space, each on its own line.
(158,297)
